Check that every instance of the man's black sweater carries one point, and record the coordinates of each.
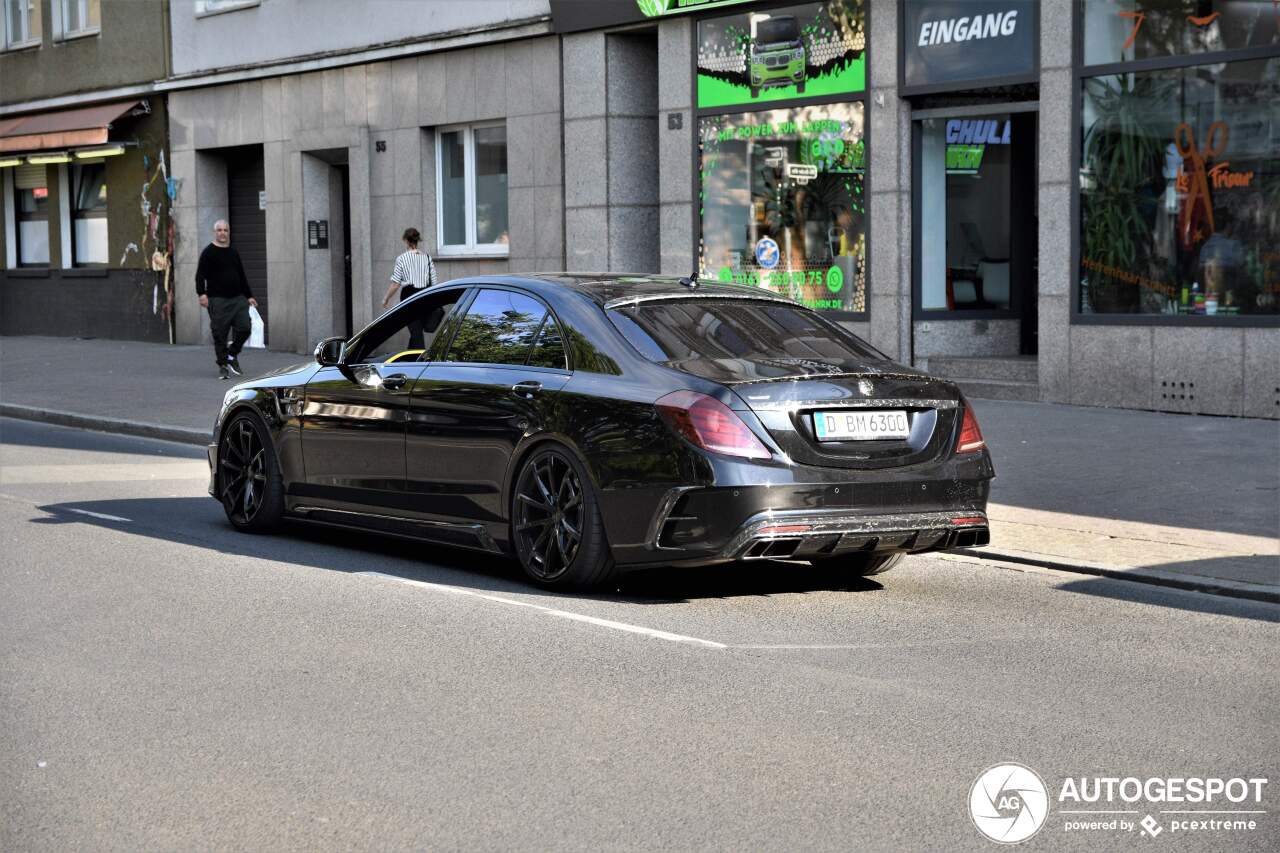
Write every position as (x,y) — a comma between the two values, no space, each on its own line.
(220,273)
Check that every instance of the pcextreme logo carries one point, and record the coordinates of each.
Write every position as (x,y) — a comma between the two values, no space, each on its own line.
(1009,803)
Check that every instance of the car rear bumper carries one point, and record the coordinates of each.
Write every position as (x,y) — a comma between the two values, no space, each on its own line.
(805,533)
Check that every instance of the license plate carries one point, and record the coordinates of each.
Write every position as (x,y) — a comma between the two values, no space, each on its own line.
(860,425)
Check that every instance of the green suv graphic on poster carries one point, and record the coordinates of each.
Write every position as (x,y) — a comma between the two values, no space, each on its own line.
(777,55)
(805,50)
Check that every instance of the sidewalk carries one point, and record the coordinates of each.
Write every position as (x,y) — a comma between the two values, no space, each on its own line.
(1185,501)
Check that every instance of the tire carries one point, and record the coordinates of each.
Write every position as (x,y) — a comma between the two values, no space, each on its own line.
(551,500)
(800,88)
(755,92)
(249,484)
(864,565)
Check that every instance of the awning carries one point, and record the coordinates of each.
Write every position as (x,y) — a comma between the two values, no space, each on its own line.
(61,129)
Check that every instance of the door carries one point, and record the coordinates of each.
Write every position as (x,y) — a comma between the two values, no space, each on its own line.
(496,384)
(248,219)
(354,415)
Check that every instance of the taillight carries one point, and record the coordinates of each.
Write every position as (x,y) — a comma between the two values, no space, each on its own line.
(710,424)
(970,436)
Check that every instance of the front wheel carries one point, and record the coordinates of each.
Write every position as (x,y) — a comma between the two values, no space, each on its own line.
(249,483)
(862,564)
(556,527)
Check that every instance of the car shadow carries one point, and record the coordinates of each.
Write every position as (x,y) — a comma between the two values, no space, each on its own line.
(1141,592)
(200,521)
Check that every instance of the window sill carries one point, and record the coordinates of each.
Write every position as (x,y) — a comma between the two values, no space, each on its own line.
(27,272)
(78,34)
(85,272)
(454,254)
(20,46)
(222,10)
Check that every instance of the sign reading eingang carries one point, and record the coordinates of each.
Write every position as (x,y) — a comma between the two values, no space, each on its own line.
(959,42)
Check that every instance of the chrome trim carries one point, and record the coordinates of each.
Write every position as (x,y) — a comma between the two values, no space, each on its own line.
(478,530)
(827,522)
(851,403)
(764,296)
(665,506)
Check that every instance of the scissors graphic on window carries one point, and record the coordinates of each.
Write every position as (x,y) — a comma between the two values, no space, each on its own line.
(1198,186)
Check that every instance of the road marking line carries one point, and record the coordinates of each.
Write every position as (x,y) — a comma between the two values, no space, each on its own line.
(563,614)
(101,515)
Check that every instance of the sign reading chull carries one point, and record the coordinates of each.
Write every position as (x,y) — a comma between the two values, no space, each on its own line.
(962,43)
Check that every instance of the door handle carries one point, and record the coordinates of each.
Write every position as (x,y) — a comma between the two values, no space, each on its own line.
(526,389)
(394,381)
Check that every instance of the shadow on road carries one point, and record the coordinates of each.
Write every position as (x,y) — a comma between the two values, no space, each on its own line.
(1137,592)
(200,521)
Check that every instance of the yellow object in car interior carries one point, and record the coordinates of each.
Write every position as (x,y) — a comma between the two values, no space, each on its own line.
(405,356)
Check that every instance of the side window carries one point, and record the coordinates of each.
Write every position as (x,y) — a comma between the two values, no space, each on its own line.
(406,333)
(548,350)
(499,328)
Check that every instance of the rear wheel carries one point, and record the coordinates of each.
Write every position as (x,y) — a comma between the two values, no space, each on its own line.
(862,564)
(556,527)
(249,484)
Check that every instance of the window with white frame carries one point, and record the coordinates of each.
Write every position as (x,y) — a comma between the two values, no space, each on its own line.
(471,190)
(31,215)
(75,18)
(213,7)
(21,23)
(89,214)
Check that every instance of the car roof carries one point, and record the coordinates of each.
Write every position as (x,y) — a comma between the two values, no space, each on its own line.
(611,290)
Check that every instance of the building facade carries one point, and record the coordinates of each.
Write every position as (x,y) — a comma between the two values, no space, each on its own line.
(85,230)
(1070,200)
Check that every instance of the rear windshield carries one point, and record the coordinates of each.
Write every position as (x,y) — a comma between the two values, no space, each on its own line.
(685,329)
(777,29)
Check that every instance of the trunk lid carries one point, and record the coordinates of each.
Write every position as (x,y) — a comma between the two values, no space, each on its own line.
(786,394)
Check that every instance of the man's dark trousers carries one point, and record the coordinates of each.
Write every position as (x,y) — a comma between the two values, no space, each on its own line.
(229,314)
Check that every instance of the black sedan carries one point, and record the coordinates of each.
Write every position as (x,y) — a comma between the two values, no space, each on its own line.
(589,424)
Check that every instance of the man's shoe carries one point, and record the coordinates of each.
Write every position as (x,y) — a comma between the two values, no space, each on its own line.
(223,372)
(233,364)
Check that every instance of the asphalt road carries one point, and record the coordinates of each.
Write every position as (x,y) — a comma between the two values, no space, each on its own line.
(166,683)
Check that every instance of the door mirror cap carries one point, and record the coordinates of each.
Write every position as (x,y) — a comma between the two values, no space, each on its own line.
(330,351)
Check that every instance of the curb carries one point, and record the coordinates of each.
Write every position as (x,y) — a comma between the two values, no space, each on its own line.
(1152,577)
(119,426)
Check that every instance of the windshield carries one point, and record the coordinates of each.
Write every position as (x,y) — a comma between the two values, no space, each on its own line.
(685,329)
(777,29)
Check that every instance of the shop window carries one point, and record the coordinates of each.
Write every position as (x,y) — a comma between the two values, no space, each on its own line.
(31,215)
(969,172)
(783,203)
(471,197)
(89,214)
(75,18)
(1126,30)
(21,23)
(1179,191)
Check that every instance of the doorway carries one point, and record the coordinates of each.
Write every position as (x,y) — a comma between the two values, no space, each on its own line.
(247,215)
(975,233)
(326,201)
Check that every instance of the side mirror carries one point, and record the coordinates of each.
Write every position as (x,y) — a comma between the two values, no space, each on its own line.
(330,351)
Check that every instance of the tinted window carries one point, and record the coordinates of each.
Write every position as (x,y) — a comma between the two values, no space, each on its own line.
(711,329)
(549,350)
(499,328)
(406,333)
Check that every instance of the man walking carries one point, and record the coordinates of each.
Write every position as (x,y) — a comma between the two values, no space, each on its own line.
(224,290)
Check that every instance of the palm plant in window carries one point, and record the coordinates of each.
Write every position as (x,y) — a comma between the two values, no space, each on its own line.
(1120,186)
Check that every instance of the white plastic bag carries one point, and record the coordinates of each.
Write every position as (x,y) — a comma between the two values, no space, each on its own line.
(258,334)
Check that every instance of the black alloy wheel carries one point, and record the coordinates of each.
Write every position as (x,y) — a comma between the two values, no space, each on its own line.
(249,483)
(556,526)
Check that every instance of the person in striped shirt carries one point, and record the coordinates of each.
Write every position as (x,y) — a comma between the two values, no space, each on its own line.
(414,271)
